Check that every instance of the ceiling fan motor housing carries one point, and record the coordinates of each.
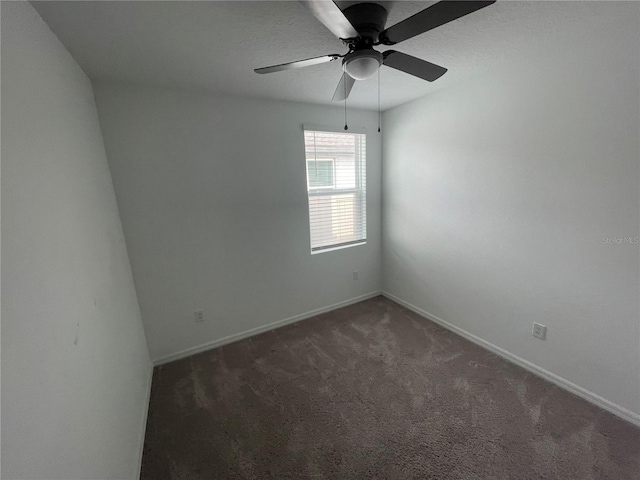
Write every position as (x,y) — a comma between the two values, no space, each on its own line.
(369,20)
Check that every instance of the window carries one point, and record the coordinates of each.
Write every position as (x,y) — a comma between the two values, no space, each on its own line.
(336,185)
(320,173)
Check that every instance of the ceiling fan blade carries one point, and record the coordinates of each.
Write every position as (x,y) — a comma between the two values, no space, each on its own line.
(299,64)
(331,17)
(429,18)
(413,66)
(344,88)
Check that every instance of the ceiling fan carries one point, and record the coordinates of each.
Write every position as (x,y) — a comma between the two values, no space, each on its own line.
(362,27)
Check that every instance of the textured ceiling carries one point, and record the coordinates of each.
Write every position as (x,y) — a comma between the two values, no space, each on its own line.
(214,46)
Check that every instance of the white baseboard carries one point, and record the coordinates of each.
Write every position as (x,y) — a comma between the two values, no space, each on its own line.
(597,400)
(255,331)
(143,426)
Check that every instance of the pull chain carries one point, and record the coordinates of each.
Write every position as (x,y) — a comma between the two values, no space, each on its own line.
(379,114)
(344,83)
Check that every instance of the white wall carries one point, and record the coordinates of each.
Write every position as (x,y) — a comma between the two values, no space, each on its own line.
(75,367)
(212,196)
(498,193)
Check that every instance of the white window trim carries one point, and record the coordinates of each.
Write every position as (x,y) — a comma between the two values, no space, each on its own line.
(334,129)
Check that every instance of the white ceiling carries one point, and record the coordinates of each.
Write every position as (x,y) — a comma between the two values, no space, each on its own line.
(215,45)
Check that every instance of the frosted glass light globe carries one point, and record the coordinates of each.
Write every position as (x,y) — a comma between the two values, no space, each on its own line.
(362,64)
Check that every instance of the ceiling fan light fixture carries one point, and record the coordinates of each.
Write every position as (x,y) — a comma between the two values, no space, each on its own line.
(361,26)
(361,64)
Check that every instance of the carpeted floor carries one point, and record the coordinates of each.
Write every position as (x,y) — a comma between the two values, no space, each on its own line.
(373,391)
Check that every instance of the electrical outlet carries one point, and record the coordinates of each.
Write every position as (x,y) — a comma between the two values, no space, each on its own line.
(539,331)
(356,275)
(199,315)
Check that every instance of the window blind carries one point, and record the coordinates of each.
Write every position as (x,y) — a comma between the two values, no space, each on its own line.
(336,185)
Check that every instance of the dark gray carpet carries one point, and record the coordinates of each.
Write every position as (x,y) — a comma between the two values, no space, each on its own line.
(373,391)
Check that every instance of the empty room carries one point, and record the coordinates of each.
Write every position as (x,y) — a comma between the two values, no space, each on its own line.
(320,240)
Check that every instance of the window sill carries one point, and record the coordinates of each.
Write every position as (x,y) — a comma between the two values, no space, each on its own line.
(338,247)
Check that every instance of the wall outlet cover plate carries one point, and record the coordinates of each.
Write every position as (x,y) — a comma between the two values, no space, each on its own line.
(539,331)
